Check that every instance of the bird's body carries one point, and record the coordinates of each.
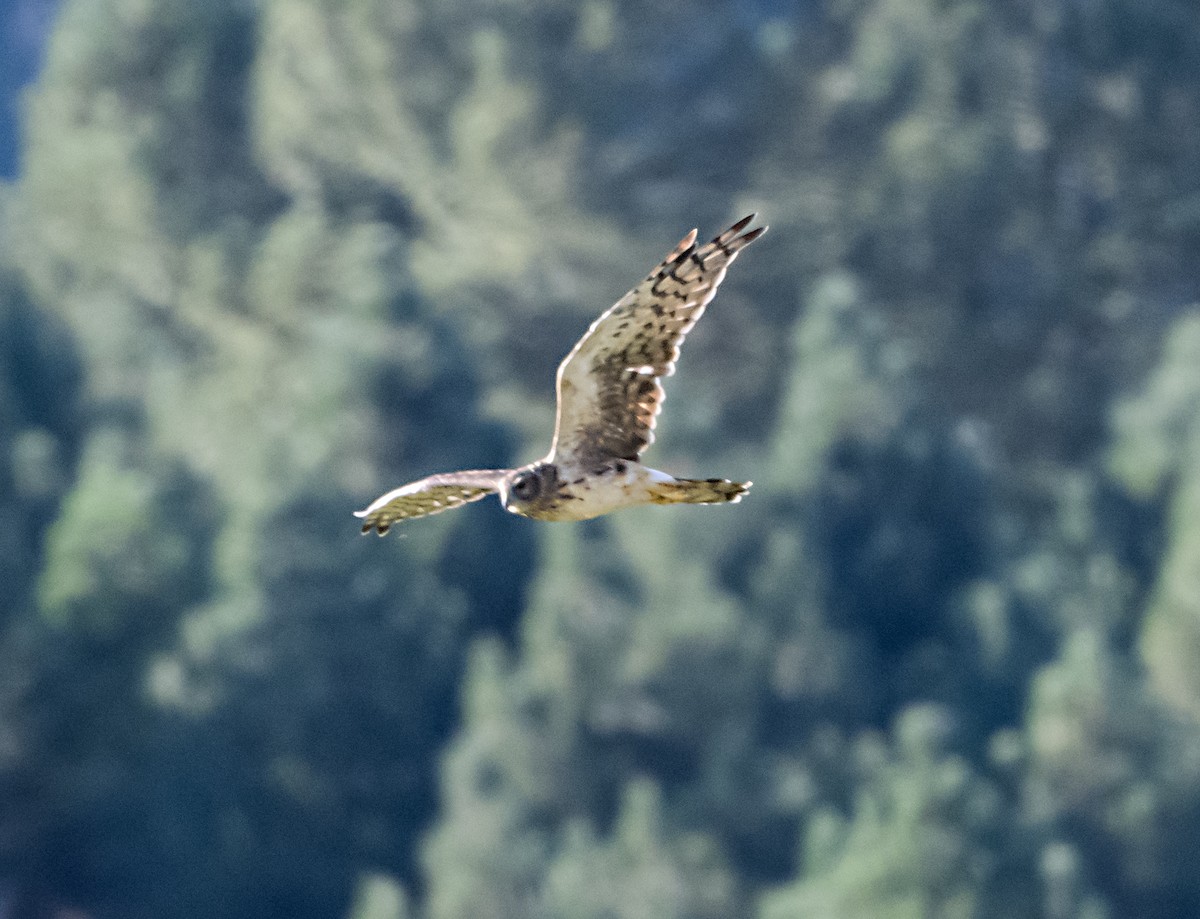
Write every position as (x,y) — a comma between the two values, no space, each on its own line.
(581,494)
(609,395)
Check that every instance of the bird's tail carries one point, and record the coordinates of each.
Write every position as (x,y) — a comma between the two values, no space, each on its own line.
(699,491)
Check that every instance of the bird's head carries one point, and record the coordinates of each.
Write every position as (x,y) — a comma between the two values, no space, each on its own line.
(524,489)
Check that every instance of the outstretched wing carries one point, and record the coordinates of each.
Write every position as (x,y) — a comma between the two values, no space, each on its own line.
(430,495)
(609,392)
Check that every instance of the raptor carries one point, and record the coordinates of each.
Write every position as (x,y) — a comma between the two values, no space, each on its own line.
(609,396)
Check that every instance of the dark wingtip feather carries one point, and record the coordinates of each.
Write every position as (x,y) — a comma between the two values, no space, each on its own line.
(730,238)
(741,224)
(753,235)
(380,528)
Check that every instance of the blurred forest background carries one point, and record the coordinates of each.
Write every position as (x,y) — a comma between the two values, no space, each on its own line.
(262,259)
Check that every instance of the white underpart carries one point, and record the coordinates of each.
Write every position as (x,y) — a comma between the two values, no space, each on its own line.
(657,476)
(612,490)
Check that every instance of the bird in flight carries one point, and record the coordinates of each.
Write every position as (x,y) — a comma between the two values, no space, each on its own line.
(609,395)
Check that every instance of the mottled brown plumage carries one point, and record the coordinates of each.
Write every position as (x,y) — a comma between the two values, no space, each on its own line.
(609,396)
(609,389)
(431,495)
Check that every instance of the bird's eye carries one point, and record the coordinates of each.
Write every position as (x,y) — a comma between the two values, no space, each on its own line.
(526,486)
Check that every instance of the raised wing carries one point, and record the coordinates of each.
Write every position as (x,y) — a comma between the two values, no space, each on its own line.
(430,495)
(609,393)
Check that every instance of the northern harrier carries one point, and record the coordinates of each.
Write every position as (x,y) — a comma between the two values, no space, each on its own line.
(609,393)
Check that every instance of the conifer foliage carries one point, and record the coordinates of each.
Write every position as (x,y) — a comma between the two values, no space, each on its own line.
(262,260)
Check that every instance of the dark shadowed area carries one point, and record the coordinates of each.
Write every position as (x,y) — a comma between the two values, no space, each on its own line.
(24,30)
